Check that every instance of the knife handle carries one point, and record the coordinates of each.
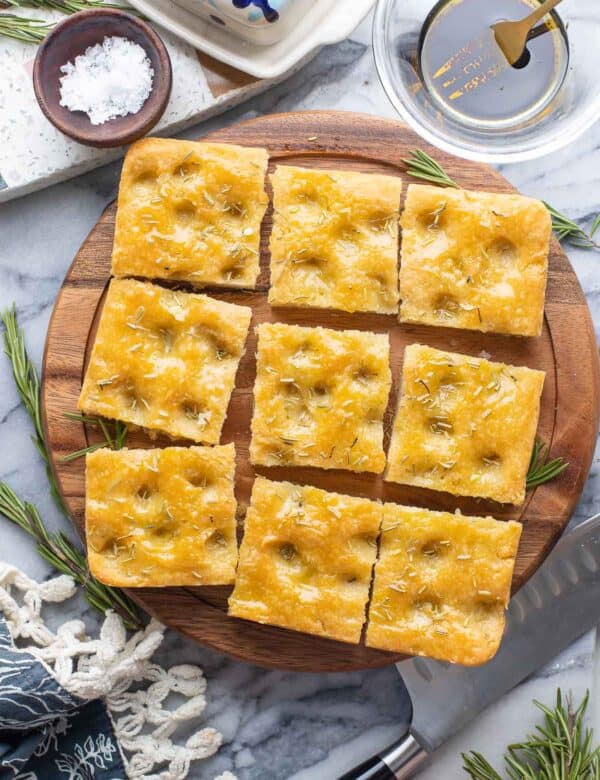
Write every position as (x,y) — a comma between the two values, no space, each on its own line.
(371,769)
(399,761)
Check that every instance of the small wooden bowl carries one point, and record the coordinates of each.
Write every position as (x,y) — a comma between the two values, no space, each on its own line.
(71,38)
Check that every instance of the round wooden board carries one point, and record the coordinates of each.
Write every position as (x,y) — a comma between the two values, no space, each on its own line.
(566,351)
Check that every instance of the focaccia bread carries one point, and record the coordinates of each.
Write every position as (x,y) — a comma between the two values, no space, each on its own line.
(475,260)
(464,425)
(319,398)
(190,211)
(306,560)
(161,517)
(334,243)
(442,583)
(164,360)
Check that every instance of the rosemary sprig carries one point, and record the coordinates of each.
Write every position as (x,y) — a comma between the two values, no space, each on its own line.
(422,166)
(57,549)
(65,6)
(567,230)
(28,387)
(23,28)
(561,749)
(115,438)
(28,30)
(540,469)
(60,552)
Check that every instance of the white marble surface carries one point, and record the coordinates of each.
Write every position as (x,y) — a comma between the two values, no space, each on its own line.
(277,725)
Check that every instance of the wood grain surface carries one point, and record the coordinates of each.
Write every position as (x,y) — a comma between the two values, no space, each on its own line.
(566,351)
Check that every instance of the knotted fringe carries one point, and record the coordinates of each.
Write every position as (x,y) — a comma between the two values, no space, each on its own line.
(107,668)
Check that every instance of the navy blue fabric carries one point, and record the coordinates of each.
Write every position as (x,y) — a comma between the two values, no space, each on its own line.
(45,732)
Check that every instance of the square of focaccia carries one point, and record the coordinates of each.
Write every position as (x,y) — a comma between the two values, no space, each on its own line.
(319,398)
(475,260)
(161,517)
(306,560)
(334,243)
(164,360)
(442,582)
(464,425)
(190,211)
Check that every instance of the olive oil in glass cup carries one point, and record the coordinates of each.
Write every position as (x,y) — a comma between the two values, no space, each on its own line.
(444,73)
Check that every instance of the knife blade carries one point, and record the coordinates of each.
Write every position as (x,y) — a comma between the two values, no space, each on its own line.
(558,604)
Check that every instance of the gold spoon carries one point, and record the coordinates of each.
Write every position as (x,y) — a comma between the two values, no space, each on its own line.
(511,37)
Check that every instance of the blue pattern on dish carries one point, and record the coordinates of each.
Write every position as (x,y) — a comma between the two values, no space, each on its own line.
(270,14)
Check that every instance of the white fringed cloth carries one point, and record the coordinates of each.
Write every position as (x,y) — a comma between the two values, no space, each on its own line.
(71,706)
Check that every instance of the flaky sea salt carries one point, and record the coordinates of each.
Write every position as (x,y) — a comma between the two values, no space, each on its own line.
(108,80)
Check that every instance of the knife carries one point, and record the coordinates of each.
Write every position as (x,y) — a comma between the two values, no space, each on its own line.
(559,603)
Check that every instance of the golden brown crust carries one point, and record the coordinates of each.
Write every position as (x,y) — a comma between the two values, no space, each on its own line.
(334,243)
(464,425)
(161,517)
(319,398)
(190,211)
(306,560)
(475,260)
(442,582)
(165,360)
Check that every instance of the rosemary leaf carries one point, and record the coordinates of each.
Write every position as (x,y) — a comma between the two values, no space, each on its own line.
(104,428)
(115,440)
(567,230)
(56,548)
(542,470)
(22,28)
(561,749)
(83,418)
(422,166)
(84,451)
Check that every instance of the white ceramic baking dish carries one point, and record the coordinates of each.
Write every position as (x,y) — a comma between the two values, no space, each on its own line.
(262,22)
(322,22)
